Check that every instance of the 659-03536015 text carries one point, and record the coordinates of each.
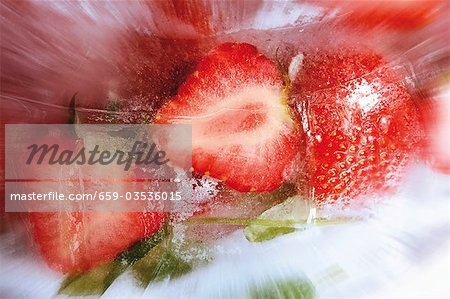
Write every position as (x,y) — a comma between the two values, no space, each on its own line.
(102,195)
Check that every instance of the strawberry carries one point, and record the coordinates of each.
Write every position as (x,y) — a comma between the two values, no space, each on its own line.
(361,124)
(242,132)
(73,242)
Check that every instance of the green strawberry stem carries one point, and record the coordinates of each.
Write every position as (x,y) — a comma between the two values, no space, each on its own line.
(302,224)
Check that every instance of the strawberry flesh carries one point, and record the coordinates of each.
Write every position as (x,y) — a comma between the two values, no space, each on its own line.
(242,130)
(73,242)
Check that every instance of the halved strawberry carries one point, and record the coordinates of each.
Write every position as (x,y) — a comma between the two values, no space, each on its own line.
(362,126)
(242,132)
(73,242)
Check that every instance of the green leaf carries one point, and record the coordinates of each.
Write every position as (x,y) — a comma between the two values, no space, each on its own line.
(98,280)
(143,269)
(160,263)
(278,220)
(171,266)
(284,289)
(89,283)
(139,250)
(156,267)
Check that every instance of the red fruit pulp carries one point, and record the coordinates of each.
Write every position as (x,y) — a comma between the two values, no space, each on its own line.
(242,132)
(73,242)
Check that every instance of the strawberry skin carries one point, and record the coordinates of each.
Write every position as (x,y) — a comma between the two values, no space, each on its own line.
(360,122)
(73,242)
(242,132)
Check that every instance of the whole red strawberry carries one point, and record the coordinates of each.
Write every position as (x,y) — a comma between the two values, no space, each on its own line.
(242,132)
(360,122)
